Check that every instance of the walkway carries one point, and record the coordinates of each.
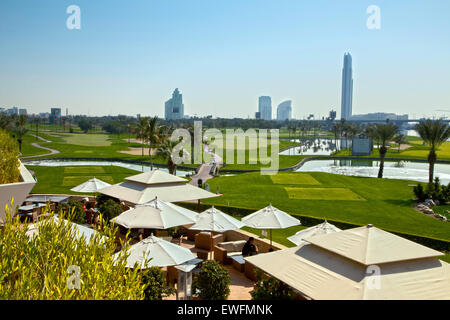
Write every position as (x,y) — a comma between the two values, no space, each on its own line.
(203,173)
(37,145)
(240,287)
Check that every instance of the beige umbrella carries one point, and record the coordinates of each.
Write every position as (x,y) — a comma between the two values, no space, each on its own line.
(322,228)
(270,218)
(155,214)
(215,221)
(90,186)
(153,251)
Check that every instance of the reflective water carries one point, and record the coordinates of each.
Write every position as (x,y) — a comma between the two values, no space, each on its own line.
(317,147)
(137,167)
(368,168)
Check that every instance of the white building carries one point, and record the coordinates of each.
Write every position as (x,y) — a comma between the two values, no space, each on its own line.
(284,111)
(174,108)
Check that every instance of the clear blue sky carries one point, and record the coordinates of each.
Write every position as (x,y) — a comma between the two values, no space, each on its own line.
(129,56)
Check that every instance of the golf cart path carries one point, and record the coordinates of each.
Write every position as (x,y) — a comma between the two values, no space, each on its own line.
(37,145)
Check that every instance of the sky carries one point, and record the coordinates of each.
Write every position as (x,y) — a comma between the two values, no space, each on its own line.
(129,56)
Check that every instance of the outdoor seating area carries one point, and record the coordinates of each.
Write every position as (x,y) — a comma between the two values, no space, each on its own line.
(179,241)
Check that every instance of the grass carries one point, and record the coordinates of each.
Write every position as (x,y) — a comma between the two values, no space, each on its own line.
(59,180)
(303,178)
(87,140)
(388,203)
(326,194)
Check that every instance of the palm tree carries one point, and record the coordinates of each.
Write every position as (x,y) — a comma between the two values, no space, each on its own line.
(153,134)
(36,122)
(140,130)
(400,139)
(20,130)
(165,150)
(385,133)
(434,134)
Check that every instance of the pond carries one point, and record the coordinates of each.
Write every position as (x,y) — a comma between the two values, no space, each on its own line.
(317,147)
(136,167)
(368,168)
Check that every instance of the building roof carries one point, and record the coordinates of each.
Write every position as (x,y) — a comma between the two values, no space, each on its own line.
(369,245)
(320,274)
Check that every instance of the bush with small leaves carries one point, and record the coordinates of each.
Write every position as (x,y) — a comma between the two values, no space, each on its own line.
(212,282)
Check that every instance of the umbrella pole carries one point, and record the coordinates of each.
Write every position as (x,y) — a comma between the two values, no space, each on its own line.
(270,238)
(198,205)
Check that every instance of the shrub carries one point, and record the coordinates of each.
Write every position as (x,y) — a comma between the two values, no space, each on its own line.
(34,268)
(110,209)
(268,288)
(155,281)
(9,163)
(212,282)
(419,192)
(434,191)
(75,208)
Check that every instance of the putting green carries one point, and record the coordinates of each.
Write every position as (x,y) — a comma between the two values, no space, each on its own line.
(293,178)
(71,181)
(322,194)
(84,170)
(88,140)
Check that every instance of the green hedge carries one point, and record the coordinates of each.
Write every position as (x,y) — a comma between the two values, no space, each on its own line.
(436,244)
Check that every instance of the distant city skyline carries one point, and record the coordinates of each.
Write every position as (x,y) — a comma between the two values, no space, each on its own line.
(265,107)
(284,111)
(128,57)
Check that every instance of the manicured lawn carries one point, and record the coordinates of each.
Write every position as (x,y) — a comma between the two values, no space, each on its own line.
(89,140)
(388,203)
(60,180)
(294,178)
(337,194)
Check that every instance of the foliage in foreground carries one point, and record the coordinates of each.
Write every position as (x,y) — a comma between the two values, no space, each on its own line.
(157,287)
(268,288)
(9,164)
(212,282)
(37,267)
(76,211)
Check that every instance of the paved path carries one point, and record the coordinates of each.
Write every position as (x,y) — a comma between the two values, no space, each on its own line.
(203,173)
(35,144)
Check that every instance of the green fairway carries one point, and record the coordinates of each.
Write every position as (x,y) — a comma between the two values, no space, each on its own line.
(88,140)
(294,178)
(59,180)
(338,194)
(388,203)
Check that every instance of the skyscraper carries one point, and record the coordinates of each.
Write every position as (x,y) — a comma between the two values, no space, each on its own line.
(174,108)
(284,111)
(347,88)
(265,108)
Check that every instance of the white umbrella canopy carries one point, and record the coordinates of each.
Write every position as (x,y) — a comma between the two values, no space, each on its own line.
(270,218)
(217,221)
(156,214)
(91,186)
(323,228)
(161,253)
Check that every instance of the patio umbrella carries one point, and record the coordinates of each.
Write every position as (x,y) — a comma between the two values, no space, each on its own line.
(161,253)
(91,186)
(215,221)
(323,228)
(270,218)
(156,214)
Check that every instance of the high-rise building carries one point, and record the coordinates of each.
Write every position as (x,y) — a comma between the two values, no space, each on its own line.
(55,115)
(347,88)
(265,108)
(13,111)
(23,111)
(174,108)
(284,111)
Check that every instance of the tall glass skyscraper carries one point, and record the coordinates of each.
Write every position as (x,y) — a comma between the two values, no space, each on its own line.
(265,108)
(174,108)
(347,87)
(284,111)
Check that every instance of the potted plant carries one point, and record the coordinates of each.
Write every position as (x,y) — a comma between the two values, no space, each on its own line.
(212,282)
(16,181)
